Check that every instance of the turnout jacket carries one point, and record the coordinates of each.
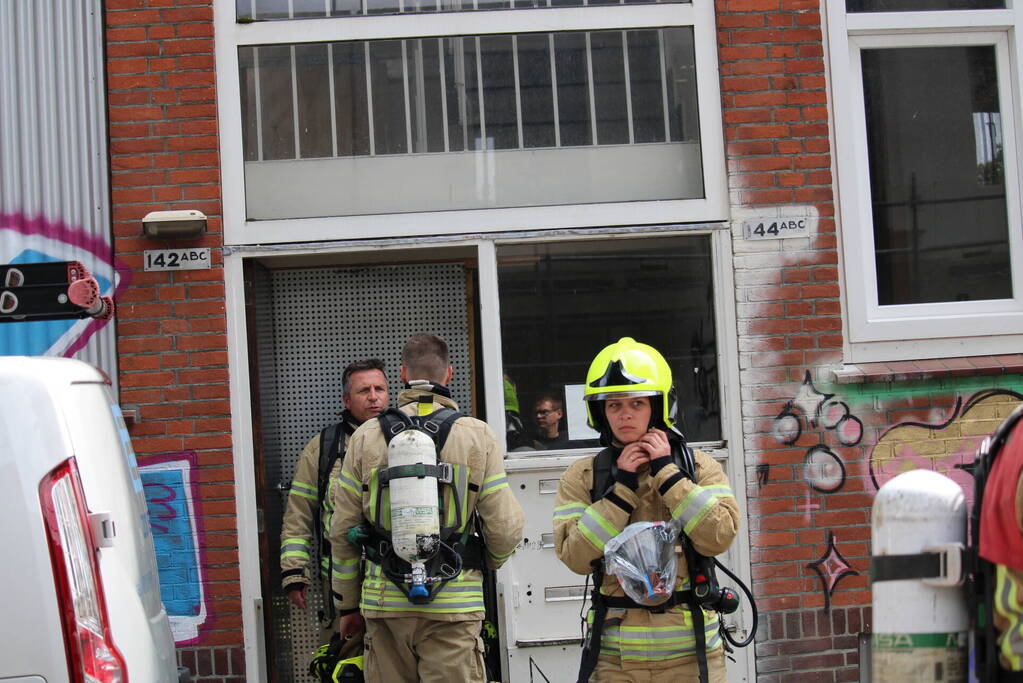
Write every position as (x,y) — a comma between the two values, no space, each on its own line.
(1001,542)
(710,518)
(470,443)
(297,532)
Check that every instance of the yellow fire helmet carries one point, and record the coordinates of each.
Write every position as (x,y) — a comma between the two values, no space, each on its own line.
(627,369)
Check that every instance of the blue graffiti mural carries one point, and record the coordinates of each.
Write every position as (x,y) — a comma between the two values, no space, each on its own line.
(171,499)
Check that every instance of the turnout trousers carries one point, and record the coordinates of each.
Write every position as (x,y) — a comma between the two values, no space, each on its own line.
(413,649)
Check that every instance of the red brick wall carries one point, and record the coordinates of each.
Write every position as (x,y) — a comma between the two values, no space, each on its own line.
(787,297)
(171,328)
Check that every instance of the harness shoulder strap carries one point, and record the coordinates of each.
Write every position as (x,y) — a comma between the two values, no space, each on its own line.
(332,449)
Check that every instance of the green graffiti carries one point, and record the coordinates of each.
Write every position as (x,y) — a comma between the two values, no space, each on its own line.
(887,391)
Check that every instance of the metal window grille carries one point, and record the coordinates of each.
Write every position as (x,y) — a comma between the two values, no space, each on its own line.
(450,94)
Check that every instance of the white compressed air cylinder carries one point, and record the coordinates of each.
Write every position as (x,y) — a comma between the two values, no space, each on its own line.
(413,499)
(919,630)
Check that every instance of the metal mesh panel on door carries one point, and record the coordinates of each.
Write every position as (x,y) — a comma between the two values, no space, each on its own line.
(323,319)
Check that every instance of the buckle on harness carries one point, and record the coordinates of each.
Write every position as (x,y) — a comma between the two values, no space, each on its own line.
(950,559)
(446,475)
(430,426)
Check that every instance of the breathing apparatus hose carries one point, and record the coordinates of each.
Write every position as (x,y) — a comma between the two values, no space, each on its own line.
(752,604)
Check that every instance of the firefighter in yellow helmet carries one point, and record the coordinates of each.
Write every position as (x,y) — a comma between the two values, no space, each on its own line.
(646,473)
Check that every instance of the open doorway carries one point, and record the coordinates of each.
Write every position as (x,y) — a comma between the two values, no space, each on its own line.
(308,317)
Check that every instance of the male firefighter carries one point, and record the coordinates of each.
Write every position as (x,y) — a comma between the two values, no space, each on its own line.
(307,517)
(1001,543)
(409,638)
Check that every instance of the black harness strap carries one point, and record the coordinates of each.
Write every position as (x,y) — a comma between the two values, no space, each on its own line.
(332,449)
(901,567)
(603,481)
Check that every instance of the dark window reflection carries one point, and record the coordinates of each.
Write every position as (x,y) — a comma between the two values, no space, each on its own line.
(919,5)
(561,303)
(937,186)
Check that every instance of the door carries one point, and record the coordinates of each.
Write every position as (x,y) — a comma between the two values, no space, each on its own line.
(307,321)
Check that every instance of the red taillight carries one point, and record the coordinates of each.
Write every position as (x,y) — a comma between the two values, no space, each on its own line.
(92,656)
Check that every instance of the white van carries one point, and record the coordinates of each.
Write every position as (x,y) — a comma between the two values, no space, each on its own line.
(81,598)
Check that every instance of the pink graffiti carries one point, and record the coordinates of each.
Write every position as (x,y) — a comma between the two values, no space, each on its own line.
(956,463)
(77,238)
(167,513)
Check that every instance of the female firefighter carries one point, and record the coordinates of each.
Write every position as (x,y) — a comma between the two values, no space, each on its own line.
(645,473)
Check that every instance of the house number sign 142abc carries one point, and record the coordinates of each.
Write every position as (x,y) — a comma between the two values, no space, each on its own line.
(177,259)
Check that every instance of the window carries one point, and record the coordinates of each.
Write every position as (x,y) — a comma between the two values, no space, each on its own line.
(928,169)
(563,302)
(263,10)
(439,119)
(403,122)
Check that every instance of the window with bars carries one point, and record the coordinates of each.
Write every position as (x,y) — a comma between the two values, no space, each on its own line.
(265,10)
(398,125)
(455,94)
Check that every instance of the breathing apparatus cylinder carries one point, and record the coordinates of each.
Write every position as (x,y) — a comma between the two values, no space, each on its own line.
(920,624)
(415,520)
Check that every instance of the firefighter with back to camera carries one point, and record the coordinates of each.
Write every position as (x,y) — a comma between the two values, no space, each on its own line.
(422,608)
(650,475)
(309,508)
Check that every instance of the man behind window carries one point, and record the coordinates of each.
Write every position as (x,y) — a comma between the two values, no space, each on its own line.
(548,413)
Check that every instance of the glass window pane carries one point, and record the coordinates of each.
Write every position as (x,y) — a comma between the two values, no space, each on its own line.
(250,131)
(530,95)
(387,69)
(572,71)
(351,100)
(562,302)
(462,93)
(500,111)
(647,86)
(313,75)
(680,81)
(536,93)
(609,93)
(264,10)
(277,119)
(937,187)
(426,95)
(919,5)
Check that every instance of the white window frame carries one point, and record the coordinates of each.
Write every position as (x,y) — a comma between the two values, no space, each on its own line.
(230,35)
(917,331)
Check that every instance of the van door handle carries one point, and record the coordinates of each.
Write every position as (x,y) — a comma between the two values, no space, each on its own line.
(104,531)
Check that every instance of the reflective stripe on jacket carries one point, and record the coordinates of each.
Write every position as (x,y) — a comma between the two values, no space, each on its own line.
(1009,617)
(709,514)
(470,448)
(297,537)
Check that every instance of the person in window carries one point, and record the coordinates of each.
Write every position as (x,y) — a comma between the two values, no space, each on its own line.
(550,433)
(647,474)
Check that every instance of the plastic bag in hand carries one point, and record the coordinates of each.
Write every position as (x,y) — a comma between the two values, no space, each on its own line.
(642,558)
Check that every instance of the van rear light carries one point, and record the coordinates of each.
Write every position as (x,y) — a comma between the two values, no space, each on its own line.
(92,656)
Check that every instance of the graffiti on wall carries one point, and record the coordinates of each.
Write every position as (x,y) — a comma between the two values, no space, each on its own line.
(38,240)
(831,425)
(948,447)
(172,498)
(831,567)
(813,411)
